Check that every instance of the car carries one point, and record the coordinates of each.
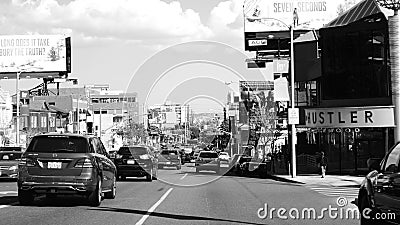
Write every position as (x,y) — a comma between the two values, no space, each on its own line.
(169,158)
(66,164)
(253,167)
(208,160)
(378,196)
(136,161)
(224,156)
(9,161)
(236,162)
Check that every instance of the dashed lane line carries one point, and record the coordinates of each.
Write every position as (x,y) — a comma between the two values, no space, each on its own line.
(144,218)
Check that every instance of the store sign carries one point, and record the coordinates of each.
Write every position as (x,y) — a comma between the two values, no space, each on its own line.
(262,42)
(350,117)
(293,115)
(34,53)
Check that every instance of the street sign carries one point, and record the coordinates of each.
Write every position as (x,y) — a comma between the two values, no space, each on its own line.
(293,114)
(261,42)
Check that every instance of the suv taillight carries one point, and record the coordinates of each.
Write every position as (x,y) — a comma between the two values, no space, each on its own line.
(27,162)
(84,163)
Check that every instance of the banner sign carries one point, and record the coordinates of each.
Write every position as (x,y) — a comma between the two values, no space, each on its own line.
(350,117)
(278,15)
(34,53)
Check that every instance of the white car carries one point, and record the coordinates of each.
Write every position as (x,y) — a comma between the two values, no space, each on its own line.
(224,156)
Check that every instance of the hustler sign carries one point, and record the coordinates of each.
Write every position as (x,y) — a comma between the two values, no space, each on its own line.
(350,117)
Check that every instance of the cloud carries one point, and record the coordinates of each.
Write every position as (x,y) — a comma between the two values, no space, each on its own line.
(139,20)
(226,22)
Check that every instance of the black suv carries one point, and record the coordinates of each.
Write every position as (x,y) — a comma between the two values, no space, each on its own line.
(63,164)
(136,161)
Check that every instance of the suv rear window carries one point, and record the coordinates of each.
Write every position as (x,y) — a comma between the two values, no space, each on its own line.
(61,144)
(132,150)
(208,155)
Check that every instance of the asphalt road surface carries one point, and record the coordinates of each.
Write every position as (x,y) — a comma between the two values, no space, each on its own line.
(184,197)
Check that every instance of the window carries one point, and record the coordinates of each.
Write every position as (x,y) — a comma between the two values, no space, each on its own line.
(392,160)
(208,155)
(54,144)
(34,121)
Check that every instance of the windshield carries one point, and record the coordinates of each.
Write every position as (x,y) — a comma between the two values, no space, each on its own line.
(169,152)
(58,144)
(10,156)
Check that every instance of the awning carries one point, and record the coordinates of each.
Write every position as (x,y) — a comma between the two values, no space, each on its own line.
(361,10)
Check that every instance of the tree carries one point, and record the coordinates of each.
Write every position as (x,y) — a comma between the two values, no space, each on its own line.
(132,132)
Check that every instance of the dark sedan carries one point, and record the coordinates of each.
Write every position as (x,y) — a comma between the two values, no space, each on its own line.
(66,164)
(136,161)
(379,196)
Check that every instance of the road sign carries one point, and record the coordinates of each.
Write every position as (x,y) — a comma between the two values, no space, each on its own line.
(293,114)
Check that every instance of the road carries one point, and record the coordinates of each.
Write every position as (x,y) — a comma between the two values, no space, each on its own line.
(179,197)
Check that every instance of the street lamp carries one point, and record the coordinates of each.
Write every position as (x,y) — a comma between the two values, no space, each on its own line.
(292,84)
(394,59)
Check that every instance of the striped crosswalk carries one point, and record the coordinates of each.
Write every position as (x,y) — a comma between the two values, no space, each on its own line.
(332,191)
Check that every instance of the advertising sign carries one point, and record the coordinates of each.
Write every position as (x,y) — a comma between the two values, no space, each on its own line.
(278,15)
(34,53)
(350,117)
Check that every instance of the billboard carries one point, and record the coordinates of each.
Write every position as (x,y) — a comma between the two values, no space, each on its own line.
(278,15)
(35,53)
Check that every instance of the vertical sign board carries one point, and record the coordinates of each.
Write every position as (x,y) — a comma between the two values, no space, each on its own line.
(35,53)
(293,114)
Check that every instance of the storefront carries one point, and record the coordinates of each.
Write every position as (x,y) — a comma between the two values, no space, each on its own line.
(350,136)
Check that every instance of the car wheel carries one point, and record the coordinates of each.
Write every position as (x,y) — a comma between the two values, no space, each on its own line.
(178,167)
(95,197)
(160,167)
(25,197)
(364,203)
(113,192)
(149,176)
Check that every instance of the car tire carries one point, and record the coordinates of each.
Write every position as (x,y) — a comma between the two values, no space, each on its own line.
(25,197)
(364,203)
(178,167)
(160,167)
(111,194)
(149,176)
(95,197)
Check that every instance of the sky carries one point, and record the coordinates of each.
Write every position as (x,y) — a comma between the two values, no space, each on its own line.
(185,51)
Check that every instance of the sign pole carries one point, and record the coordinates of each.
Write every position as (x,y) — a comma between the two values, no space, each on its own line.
(293,126)
(17,104)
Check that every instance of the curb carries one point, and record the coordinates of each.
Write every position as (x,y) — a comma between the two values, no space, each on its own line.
(282,179)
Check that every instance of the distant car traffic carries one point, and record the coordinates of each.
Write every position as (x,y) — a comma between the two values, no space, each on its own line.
(9,161)
(208,160)
(224,156)
(66,164)
(378,197)
(169,158)
(236,162)
(136,161)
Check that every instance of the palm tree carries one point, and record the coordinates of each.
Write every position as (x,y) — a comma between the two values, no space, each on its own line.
(394,59)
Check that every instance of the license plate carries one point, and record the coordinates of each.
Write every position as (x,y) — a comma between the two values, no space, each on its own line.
(224,165)
(130,162)
(54,165)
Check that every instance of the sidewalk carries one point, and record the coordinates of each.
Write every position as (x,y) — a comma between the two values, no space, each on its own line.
(329,180)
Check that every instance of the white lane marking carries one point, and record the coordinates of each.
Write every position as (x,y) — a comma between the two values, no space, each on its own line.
(7,192)
(144,218)
(5,206)
(183,176)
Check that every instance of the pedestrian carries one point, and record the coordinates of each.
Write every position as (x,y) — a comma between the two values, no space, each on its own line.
(323,163)
(295,18)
